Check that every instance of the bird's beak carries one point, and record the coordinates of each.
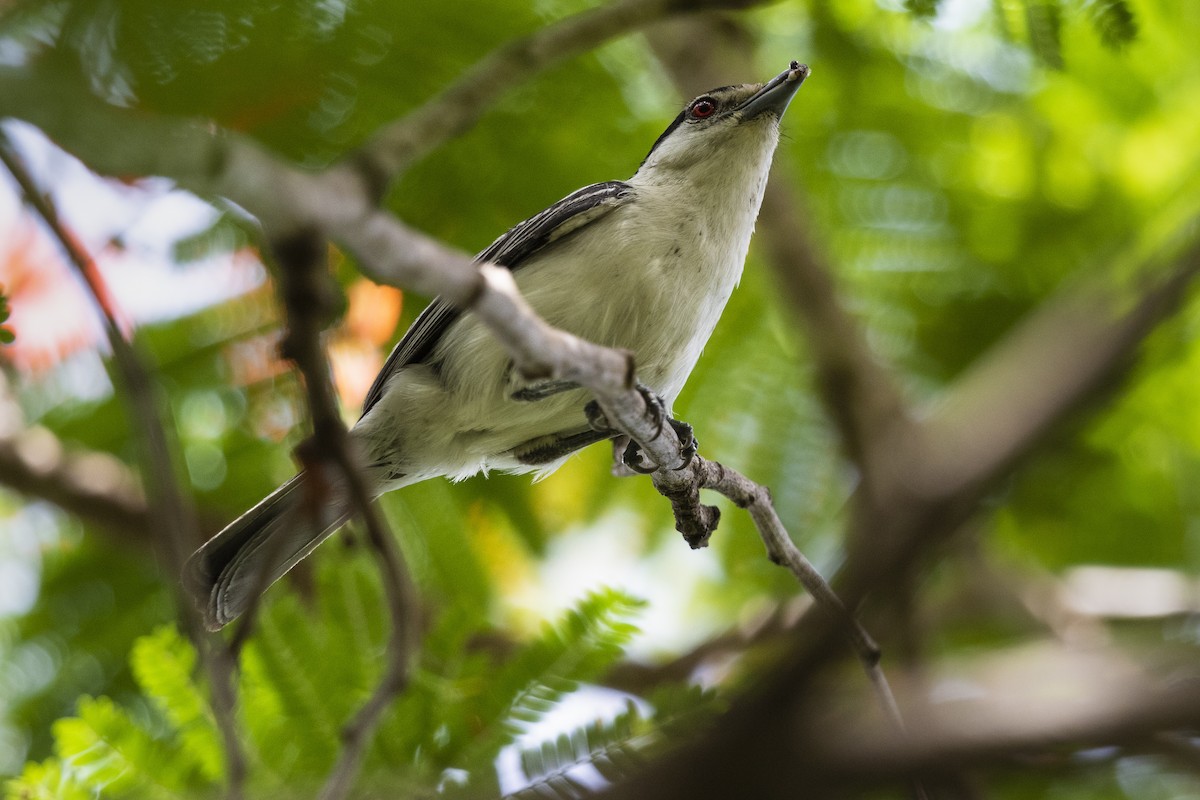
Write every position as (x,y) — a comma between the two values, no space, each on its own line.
(775,95)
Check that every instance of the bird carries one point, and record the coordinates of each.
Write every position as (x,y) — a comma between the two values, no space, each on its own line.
(645,264)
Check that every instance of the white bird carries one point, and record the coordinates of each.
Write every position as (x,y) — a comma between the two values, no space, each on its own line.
(645,264)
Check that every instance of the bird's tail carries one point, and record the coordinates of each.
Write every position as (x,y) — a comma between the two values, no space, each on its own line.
(260,546)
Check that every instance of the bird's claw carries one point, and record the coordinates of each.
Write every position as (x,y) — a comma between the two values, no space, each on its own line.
(636,461)
(597,419)
(688,443)
(656,412)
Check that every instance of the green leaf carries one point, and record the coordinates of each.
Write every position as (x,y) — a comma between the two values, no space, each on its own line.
(612,748)
(105,749)
(922,8)
(1114,22)
(1044,19)
(615,748)
(163,664)
(48,780)
(6,335)
(588,639)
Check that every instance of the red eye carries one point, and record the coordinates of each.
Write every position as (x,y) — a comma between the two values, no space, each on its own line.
(704,107)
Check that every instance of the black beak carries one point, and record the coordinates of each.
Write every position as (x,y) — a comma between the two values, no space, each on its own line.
(776,93)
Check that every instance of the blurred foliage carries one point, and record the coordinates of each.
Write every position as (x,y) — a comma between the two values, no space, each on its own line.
(461,708)
(963,159)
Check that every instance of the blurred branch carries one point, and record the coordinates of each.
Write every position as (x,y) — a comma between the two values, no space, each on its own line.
(172,517)
(459,106)
(307,291)
(1081,345)
(1040,698)
(1036,703)
(94,486)
(771,628)
(1068,353)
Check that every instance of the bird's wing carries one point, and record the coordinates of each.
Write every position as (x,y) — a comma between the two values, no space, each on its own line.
(512,249)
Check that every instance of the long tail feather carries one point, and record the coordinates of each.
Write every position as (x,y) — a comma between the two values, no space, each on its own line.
(259,547)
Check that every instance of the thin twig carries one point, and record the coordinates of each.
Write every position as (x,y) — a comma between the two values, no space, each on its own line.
(307,290)
(755,499)
(174,516)
(402,641)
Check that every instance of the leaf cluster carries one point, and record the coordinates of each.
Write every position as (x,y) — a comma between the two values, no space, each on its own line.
(465,704)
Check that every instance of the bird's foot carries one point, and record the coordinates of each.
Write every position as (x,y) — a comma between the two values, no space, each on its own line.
(636,460)
(656,412)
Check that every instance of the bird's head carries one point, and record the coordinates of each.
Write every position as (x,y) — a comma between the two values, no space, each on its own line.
(731,122)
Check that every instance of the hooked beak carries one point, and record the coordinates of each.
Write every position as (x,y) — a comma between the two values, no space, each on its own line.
(776,93)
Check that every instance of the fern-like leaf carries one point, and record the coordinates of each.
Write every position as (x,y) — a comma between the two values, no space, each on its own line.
(613,749)
(163,664)
(586,641)
(301,674)
(103,748)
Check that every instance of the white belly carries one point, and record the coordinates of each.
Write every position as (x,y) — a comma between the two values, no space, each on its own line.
(656,287)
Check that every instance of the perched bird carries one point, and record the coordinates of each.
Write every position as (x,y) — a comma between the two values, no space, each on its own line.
(645,264)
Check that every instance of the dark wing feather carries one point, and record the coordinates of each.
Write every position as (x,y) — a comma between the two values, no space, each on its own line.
(512,249)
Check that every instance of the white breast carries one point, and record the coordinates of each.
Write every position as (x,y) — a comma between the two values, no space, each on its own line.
(652,276)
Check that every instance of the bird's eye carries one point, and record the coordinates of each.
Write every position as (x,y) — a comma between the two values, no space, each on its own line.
(704,107)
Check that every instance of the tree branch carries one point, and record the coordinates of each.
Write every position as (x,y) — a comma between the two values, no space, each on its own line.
(1033,699)
(93,486)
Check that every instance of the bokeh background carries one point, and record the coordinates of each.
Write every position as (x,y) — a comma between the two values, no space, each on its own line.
(961,162)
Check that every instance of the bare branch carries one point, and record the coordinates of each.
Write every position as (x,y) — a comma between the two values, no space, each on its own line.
(1032,699)
(1036,702)
(682,487)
